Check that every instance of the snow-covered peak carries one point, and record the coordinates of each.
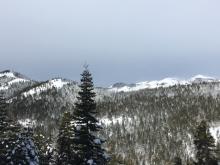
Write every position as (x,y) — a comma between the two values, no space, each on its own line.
(202,78)
(167,82)
(7,73)
(12,74)
(8,78)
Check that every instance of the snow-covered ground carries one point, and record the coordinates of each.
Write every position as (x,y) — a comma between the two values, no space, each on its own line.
(167,82)
(215,131)
(114,120)
(27,122)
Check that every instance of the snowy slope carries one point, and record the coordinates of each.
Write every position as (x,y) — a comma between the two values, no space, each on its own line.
(167,82)
(7,74)
(10,79)
(54,83)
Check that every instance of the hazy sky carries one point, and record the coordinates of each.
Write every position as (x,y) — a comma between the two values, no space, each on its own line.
(122,40)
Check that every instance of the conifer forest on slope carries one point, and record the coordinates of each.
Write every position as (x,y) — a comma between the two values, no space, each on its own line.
(150,126)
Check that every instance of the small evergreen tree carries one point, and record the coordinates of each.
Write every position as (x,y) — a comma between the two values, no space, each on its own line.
(66,153)
(45,149)
(177,161)
(205,145)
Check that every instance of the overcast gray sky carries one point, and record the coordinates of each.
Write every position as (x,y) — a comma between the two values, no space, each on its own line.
(122,40)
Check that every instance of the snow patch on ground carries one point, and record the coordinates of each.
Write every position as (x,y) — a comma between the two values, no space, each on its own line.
(4,87)
(27,122)
(114,120)
(127,122)
(190,146)
(215,131)
(97,141)
(90,162)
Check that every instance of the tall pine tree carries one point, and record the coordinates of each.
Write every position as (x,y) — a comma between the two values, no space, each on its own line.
(86,143)
(205,145)
(80,133)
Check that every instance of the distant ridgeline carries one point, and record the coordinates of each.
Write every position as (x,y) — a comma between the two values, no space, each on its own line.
(150,122)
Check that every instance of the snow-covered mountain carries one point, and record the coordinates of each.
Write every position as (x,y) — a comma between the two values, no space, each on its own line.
(9,78)
(13,83)
(167,82)
(140,126)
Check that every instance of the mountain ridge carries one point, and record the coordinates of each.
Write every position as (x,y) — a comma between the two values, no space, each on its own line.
(9,78)
(166,82)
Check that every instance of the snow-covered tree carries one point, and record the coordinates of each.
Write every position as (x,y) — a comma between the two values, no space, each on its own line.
(24,151)
(16,146)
